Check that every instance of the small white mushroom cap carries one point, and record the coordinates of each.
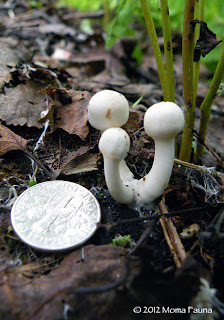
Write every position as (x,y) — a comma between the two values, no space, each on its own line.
(163,120)
(114,143)
(108,109)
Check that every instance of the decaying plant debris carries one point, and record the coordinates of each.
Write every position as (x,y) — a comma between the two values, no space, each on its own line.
(48,64)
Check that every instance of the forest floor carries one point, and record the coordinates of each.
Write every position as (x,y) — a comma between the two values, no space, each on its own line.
(48,62)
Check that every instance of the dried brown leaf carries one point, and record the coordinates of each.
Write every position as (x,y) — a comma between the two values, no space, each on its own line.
(8,59)
(207,40)
(73,117)
(22,105)
(83,163)
(78,161)
(10,141)
(59,96)
(133,122)
(68,111)
(42,297)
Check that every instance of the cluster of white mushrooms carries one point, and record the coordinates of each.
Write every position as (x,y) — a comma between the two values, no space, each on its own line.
(109,110)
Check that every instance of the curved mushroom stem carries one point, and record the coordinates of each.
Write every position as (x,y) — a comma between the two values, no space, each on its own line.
(155,182)
(119,191)
(125,173)
(114,145)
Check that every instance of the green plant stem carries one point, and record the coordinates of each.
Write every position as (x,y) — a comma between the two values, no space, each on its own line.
(168,49)
(106,13)
(199,15)
(187,58)
(156,49)
(207,103)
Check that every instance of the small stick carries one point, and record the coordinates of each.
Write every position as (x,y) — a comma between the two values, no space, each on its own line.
(199,141)
(172,237)
(201,169)
(169,242)
(39,163)
(144,236)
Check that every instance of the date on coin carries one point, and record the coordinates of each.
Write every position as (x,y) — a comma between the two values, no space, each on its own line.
(55,215)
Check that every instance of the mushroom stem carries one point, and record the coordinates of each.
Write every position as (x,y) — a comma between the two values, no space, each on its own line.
(125,173)
(162,122)
(119,191)
(155,182)
(114,145)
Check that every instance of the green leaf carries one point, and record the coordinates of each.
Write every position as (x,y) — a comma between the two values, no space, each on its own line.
(32,183)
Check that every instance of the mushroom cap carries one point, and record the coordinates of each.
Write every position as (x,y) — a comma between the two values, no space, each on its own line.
(108,109)
(114,143)
(163,120)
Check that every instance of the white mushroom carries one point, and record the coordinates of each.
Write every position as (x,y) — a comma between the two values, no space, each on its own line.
(110,109)
(162,121)
(114,145)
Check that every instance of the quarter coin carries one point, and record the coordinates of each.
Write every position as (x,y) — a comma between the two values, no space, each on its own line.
(55,215)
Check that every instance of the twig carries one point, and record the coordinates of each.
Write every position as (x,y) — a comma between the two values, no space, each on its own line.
(143,237)
(203,145)
(194,246)
(201,169)
(153,217)
(215,155)
(169,242)
(219,222)
(172,237)
(40,164)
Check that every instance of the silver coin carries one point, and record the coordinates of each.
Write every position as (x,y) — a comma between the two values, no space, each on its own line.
(55,215)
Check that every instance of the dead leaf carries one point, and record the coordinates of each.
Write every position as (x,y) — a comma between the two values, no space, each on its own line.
(103,79)
(137,89)
(42,297)
(73,117)
(10,141)
(133,122)
(8,59)
(22,105)
(78,161)
(207,40)
(56,98)
(83,163)
(50,113)
(59,96)
(68,111)
(58,29)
